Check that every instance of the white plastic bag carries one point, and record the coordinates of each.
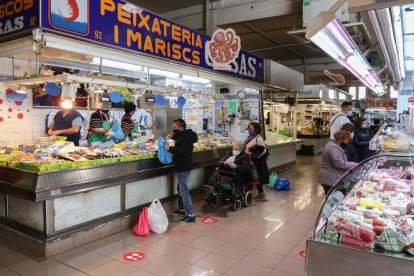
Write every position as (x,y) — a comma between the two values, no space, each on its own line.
(157,218)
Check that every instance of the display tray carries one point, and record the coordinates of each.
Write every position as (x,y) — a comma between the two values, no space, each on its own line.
(40,186)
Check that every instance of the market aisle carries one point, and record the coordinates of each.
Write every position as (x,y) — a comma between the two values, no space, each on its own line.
(264,239)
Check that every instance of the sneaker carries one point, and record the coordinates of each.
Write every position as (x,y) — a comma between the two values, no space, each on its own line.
(178,213)
(187,219)
(262,196)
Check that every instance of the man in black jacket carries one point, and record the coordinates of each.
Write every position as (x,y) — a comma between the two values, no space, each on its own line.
(183,158)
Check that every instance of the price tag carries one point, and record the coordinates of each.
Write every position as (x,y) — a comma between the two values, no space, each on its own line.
(83,143)
(44,145)
(111,144)
(53,150)
(128,144)
(42,154)
(8,151)
(95,145)
(103,146)
(21,147)
(30,149)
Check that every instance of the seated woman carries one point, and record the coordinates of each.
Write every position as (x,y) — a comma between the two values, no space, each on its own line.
(240,165)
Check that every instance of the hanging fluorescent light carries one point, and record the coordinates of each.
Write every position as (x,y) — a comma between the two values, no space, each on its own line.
(398,33)
(116,64)
(163,73)
(327,33)
(195,79)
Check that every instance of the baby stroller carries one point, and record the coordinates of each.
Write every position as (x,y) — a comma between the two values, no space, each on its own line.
(224,186)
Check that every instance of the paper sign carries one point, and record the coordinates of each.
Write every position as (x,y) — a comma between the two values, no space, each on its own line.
(192,118)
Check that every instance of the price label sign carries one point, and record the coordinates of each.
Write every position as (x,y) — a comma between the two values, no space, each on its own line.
(83,143)
(95,145)
(8,151)
(21,148)
(103,146)
(30,149)
(44,145)
(111,144)
(42,154)
(128,144)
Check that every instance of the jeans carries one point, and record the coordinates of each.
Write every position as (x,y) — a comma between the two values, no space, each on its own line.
(184,199)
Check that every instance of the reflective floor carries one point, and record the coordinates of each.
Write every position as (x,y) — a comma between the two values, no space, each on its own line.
(264,239)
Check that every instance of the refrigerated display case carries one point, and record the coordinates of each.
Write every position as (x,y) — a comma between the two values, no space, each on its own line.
(366,225)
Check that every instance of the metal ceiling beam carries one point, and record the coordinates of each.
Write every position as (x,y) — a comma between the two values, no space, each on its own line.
(231,12)
(192,17)
(271,39)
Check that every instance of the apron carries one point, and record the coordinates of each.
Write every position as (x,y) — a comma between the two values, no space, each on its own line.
(94,137)
(135,130)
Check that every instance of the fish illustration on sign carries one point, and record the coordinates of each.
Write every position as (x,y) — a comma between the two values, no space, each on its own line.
(71,16)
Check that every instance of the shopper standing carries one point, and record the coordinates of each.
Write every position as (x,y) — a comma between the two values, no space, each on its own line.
(375,127)
(341,118)
(255,147)
(349,149)
(334,160)
(361,139)
(183,158)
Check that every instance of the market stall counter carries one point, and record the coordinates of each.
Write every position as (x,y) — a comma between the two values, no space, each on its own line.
(282,150)
(366,226)
(53,211)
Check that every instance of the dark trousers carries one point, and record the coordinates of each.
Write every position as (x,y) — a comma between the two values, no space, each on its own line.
(326,188)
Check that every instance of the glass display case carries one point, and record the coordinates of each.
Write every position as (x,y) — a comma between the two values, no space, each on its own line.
(393,137)
(366,225)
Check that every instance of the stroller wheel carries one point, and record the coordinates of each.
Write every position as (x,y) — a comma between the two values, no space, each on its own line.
(214,201)
(248,199)
(237,205)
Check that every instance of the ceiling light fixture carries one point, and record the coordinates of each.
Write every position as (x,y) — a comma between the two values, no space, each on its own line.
(327,33)
(163,73)
(116,64)
(195,79)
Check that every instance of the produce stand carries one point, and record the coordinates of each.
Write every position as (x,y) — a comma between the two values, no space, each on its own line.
(365,226)
(53,207)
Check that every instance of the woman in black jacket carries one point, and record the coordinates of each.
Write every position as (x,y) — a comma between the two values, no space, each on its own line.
(361,139)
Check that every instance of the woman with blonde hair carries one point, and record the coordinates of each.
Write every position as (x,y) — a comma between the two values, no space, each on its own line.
(334,161)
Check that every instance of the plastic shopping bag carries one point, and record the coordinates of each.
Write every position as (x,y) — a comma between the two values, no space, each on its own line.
(272,180)
(117,135)
(157,218)
(282,185)
(163,155)
(142,227)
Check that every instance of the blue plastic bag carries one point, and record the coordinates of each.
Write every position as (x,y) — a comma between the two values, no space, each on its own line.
(282,185)
(118,134)
(164,155)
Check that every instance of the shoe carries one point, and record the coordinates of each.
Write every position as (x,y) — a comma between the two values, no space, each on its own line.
(187,219)
(262,196)
(178,213)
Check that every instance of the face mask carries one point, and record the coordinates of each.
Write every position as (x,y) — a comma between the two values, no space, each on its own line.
(349,114)
(364,126)
(352,135)
(175,131)
(236,152)
(250,131)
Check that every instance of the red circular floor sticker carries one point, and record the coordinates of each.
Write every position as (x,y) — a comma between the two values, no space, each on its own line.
(134,256)
(303,253)
(19,103)
(20,116)
(209,221)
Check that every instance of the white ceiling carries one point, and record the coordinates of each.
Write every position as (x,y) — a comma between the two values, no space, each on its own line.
(408,31)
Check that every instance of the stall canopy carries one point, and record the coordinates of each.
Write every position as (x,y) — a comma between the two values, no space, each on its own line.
(130,29)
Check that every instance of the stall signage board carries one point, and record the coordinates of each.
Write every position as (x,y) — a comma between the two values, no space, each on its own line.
(123,25)
(17,17)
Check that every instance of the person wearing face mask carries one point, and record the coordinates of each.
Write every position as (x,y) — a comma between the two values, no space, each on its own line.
(361,139)
(99,119)
(128,126)
(182,152)
(253,144)
(341,118)
(239,161)
(349,149)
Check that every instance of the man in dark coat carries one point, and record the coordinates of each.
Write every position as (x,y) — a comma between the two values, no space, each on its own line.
(183,158)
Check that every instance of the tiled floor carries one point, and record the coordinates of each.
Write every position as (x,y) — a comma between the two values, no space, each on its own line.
(264,239)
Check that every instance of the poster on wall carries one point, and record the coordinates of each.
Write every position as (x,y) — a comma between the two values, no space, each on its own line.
(135,29)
